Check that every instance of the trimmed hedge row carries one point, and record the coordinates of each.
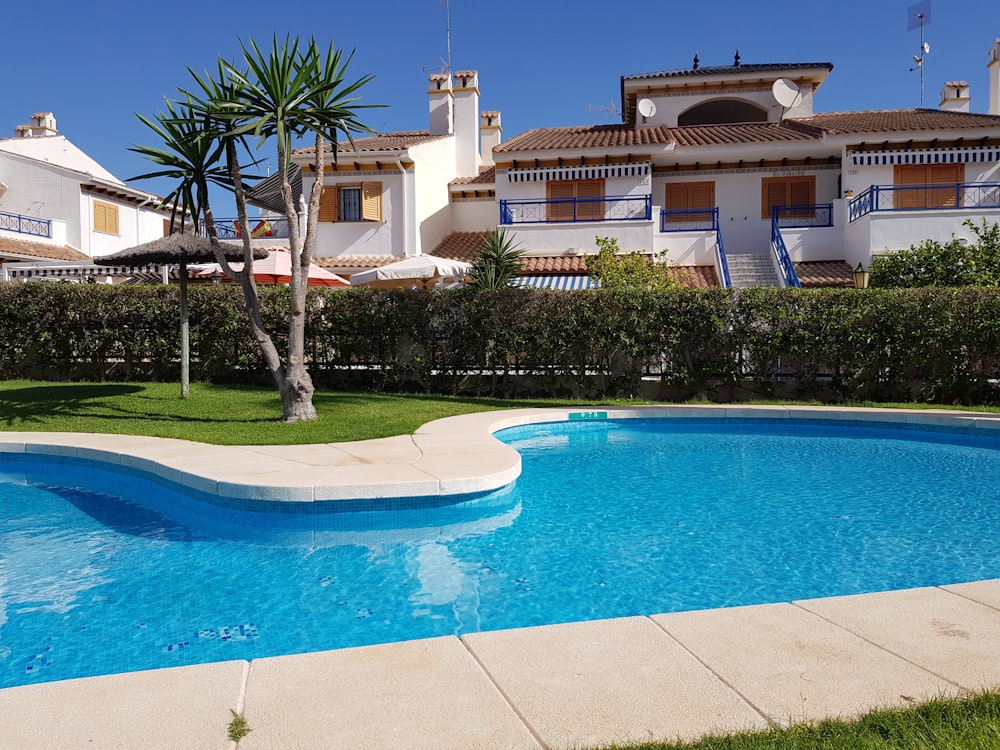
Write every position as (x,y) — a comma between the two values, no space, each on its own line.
(933,345)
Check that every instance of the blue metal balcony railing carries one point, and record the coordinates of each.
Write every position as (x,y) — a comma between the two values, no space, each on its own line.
(785,266)
(689,219)
(229,229)
(942,195)
(26,224)
(725,280)
(572,210)
(818,215)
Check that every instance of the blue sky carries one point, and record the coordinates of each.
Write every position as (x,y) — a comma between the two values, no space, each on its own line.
(540,62)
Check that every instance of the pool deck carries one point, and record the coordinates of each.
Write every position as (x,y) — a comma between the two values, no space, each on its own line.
(576,685)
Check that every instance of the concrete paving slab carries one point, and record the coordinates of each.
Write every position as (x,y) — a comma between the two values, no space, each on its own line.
(162,709)
(942,632)
(984,592)
(593,683)
(794,666)
(418,695)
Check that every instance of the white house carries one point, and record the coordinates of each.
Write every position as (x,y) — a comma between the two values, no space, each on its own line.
(59,204)
(730,174)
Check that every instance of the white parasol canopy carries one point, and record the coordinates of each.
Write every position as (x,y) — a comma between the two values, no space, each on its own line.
(422,269)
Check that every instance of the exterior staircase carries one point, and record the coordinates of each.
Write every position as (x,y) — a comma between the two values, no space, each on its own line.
(748,269)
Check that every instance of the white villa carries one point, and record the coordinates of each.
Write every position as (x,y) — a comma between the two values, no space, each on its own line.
(57,204)
(725,172)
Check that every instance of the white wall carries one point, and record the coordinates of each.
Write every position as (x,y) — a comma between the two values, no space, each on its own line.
(41,191)
(135,226)
(474,214)
(386,237)
(632,236)
(686,248)
(434,167)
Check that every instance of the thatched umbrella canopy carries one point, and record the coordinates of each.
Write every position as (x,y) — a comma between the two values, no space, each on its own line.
(178,249)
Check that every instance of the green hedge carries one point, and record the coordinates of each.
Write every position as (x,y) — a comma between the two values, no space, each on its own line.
(933,345)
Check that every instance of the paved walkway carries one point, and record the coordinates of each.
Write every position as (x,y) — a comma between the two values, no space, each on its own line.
(576,685)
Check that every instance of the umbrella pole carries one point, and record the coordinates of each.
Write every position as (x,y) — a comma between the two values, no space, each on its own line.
(185,333)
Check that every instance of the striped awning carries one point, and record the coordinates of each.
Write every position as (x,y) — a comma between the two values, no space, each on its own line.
(562,282)
(579,172)
(970,155)
(48,271)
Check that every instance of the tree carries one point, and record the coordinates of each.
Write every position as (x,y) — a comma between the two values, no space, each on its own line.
(621,272)
(284,94)
(938,264)
(497,261)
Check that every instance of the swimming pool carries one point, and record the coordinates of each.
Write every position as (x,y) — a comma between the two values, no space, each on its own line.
(609,518)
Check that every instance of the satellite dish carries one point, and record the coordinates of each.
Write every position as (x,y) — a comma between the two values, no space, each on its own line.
(646,108)
(786,93)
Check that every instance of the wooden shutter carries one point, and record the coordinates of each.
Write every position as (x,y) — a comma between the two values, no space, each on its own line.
(371,201)
(328,203)
(786,192)
(590,210)
(905,175)
(951,174)
(689,196)
(774,192)
(560,190)
(802,192)
(105,218)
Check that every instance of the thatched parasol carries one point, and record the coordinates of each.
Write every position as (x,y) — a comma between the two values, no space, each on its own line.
(178,249)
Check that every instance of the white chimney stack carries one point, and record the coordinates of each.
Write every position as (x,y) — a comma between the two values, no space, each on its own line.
(955,96)
(467,157)
(442,107)
(42,123)
(994,68)
(490,134)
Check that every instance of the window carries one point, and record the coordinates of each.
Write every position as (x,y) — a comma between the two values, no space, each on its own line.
(686,197)
(574,200)
(356,202)
(788,192)
(105,218)
(928,174)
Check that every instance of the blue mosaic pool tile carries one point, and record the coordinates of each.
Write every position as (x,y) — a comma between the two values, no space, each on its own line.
(176,646)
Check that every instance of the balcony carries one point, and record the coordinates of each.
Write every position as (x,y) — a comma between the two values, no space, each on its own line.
(689,219)
(229,229)
(26,225)
(961,195)
(788,217)
(576,210)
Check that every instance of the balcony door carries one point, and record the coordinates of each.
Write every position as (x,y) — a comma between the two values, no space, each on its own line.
(575,200)
(911,181)
(683,201)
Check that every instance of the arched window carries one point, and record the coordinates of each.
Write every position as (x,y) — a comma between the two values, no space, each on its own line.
(722,111)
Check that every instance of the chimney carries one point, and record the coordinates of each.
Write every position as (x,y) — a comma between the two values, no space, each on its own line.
(442,107)
(490,134)
(467,158)
(994,68)
(955,96)
(42,123)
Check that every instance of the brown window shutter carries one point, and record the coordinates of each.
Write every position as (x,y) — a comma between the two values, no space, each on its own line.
(678,196)
(328,203)
(702,196)
(950,174)
(802,192)
(774,193)
(105,218)
(371,201)
(590,210)
(560,190)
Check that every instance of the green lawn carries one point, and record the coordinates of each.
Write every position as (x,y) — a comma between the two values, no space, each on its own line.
(231,415)
(971,723)
(223,415)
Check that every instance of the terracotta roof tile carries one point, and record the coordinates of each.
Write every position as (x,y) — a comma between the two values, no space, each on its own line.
(822,273)
(551,264)
(728,70)
(10,246)
(399,141)
(355,261)
(588,136)
(695,277)
(486,176)
(749,132)
(460,245)
(896,120)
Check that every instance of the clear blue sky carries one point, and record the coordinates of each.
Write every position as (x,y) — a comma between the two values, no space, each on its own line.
(541,62)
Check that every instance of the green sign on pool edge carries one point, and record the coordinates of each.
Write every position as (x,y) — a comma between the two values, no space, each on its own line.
(588,415)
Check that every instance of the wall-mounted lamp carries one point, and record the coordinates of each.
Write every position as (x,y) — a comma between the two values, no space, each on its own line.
(216,277)
(861,276)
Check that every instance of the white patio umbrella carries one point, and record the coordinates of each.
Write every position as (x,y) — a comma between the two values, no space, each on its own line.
(420,269)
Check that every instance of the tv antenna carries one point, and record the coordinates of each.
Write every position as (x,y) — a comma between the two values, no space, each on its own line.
(918,16)
(445,66)
(611,109)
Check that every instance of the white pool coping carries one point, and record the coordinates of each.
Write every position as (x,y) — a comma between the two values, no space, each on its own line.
(661,677)
(451,456)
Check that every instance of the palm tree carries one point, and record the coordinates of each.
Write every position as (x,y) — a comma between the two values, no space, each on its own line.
(497,262)
(285,93)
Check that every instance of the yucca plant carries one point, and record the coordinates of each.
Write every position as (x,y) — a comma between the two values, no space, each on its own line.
(497,262)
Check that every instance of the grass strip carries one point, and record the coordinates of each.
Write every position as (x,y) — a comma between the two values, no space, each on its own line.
(967,723)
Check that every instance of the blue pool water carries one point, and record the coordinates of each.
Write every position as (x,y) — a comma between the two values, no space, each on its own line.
(609,518)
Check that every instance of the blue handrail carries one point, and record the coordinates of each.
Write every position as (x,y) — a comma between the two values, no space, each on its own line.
(689,219)
(26,224)
(573,210)
(720,256)
(785,265)
(936,196)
